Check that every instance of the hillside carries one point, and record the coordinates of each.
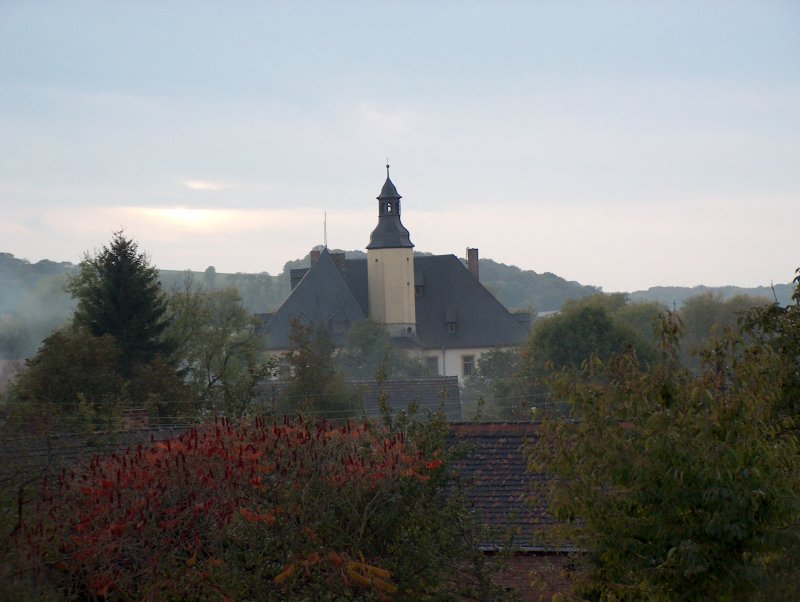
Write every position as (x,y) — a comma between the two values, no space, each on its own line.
(677,295)
(33,301)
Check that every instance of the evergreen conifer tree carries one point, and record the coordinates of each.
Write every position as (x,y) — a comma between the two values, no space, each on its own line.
(119,293)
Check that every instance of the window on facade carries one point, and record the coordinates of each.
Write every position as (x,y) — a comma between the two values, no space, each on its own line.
(433,364)
(467,365)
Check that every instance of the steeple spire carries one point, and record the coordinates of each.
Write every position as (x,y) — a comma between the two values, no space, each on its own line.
(390,232)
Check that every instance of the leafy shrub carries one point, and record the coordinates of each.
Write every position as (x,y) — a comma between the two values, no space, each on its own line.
(256,510)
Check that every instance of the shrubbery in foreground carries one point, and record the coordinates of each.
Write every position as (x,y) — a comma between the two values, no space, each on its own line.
(256,510)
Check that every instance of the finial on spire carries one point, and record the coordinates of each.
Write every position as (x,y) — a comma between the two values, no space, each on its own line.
(387,168)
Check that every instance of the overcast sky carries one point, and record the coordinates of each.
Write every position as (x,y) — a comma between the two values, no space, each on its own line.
(619,144)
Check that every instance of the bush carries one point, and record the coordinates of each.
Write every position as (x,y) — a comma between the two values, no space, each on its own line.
(256,510)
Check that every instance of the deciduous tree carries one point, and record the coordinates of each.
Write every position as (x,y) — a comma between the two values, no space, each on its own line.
(314,385)
(219,348)
(584,328)
(369,352)
(674,485)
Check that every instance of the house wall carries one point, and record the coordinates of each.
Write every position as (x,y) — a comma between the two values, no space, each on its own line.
(391,289)
(451,361)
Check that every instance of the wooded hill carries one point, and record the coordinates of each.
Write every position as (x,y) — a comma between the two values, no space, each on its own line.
(33,302)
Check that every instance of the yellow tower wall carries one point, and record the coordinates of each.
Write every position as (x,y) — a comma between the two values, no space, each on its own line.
(391,289)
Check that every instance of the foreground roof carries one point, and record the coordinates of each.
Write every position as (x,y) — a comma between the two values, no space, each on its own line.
(430,393)
(495,477)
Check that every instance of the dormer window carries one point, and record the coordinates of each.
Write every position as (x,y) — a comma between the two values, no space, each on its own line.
(450,319)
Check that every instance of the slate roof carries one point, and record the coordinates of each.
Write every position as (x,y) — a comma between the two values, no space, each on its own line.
(494,473)
(447,291)
(321,298)
(431,393)
(390,232)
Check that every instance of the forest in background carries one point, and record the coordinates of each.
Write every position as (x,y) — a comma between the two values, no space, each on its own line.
(33,302)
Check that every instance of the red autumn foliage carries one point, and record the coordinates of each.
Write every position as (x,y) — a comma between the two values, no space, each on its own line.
(168,520)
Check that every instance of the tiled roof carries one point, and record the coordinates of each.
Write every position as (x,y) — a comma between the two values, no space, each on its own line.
(431,393)
(31,454)
(495,477)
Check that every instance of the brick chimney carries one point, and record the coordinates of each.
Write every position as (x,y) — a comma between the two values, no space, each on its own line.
(340,260)
(472,262)
(314,256)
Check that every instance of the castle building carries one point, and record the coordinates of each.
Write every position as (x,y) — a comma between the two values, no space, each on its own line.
(433,305)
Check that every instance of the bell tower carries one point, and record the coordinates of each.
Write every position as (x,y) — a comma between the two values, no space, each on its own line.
(390,267)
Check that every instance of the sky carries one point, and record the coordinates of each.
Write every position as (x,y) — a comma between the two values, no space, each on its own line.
(619,144)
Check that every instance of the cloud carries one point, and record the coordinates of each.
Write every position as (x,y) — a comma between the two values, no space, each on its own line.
(202,185)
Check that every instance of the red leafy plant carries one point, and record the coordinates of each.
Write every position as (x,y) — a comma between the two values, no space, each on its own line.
(255,509)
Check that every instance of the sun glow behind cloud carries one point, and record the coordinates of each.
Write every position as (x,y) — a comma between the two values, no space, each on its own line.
(202,185)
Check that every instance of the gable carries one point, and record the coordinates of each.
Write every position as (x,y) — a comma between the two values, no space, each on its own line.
(321,298)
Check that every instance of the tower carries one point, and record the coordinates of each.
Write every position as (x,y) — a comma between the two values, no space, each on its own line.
(390,267)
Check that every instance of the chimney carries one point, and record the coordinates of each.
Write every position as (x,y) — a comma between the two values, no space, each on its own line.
(339,260)
(472,262)
(314,256)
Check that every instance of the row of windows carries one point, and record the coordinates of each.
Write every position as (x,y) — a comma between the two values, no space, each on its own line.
(467,364)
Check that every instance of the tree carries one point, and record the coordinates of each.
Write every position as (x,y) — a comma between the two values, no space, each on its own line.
(72,383)
(498,386)
(112,355)
(210,278)
(675,485)
(707,315)
(314,385)
(369,352)
(583,328)
(778,328)
(642,317)
(119,294)
(219,347)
